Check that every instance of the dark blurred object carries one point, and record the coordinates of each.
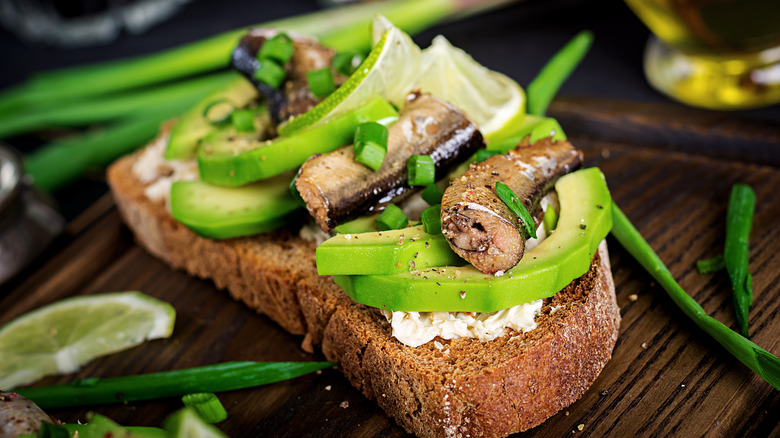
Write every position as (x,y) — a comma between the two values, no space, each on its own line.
(716,54)
(69,24)
(27,223)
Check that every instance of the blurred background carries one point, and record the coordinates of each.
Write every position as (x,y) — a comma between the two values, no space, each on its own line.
(516,39)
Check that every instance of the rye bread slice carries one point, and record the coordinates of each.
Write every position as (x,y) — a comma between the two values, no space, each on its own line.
(445,388)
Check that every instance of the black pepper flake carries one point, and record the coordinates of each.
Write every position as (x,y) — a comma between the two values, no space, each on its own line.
(487,186)
(583,226)
(416,254)
(468,186)
(427,245)
(605,392)
(494,173)
(599,206)
(438,284)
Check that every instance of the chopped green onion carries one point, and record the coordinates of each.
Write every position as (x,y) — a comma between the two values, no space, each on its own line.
(431,219)
(392,219)
(346,62)
(372,155)
(711,265)
(243,120)
(321,82)
(270,73)
(279,48)
(432,194)
(543,88)
(484,154)
(420,170)
(550,219)
(294,191)
(370,132)
(754,357)
(218,111)
(207,405)
(210,378)
(739,219)
(510,199)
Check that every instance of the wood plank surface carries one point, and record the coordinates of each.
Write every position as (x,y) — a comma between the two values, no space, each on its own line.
(666,377)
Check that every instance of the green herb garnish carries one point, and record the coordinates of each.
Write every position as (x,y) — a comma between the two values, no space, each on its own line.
(739,219)
(754,357)
(392,218)
(431,219)
(710,265)
(321,82)
(511,200)
(279,48)
(206,405)
(420,170)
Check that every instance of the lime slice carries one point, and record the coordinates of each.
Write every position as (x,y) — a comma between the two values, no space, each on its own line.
(63,336)
(492,100)
(185,423)
(390,70)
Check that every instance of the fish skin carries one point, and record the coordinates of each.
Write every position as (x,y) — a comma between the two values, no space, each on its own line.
(336,188)
(294,97)
(478,224)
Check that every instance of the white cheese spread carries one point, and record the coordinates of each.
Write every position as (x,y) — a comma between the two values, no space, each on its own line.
(151,168)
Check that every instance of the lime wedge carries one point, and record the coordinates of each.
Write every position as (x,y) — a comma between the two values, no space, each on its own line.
(185,423)
(63,336)
(390,70)
(492,100)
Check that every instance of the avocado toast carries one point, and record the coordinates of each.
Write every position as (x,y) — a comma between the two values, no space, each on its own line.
(460,386)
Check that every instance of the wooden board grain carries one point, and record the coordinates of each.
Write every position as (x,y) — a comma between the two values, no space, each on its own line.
(666,378)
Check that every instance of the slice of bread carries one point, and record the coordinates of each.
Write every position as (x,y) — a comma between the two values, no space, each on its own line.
(462,387)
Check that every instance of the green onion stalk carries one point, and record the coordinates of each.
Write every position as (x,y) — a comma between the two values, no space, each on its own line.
(211,378)
(739,219)
(754,357)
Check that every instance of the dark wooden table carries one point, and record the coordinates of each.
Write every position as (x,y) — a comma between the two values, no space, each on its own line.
(670,170)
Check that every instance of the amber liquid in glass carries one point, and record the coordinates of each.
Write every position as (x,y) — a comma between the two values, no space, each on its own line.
(719,54)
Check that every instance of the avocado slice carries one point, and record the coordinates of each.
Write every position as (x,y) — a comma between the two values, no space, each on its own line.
(192,126)
(226,212)
(231,165)
(384,252)
(584,221)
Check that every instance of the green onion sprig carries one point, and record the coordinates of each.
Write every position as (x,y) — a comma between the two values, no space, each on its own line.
(710,265)
(207,405)
(321,82)
(346,62)
(431,219)
(279,48)
(546,84)
(754,357)
(211,378)
(243,120)
(270,73)
(218,111)
(739,219)
(432,194)
(511,200)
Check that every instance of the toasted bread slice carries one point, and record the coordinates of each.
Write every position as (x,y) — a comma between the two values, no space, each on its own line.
(461,387)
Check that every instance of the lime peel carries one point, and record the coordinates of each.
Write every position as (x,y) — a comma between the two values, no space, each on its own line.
(61,337)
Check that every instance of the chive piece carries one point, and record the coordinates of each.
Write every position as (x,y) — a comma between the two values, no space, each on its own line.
(243,120)
(431,219)
(510,199)
(270,73)
(550,219)
(294,190)
(484,154)
(392,219)
(432,194)
(279,48)
(372,155)
(320,82)
(370,132)
(210,378)
(754,357)
(710,265)
(207,405)
(420,170)
(543,88)
(186,423)
(218,111)
(739,219)
(346,62)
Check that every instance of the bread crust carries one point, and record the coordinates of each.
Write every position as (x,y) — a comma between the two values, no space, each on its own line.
(461,387)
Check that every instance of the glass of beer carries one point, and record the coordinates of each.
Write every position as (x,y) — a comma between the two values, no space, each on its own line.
(717,54)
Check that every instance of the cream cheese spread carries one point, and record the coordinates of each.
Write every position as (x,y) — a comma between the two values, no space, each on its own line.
(151,168)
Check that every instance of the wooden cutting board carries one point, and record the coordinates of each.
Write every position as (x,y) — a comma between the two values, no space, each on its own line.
(669,168)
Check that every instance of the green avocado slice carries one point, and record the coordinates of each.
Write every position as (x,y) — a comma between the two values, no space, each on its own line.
(384,252)
(585,220)
(192,126)
(226,212)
